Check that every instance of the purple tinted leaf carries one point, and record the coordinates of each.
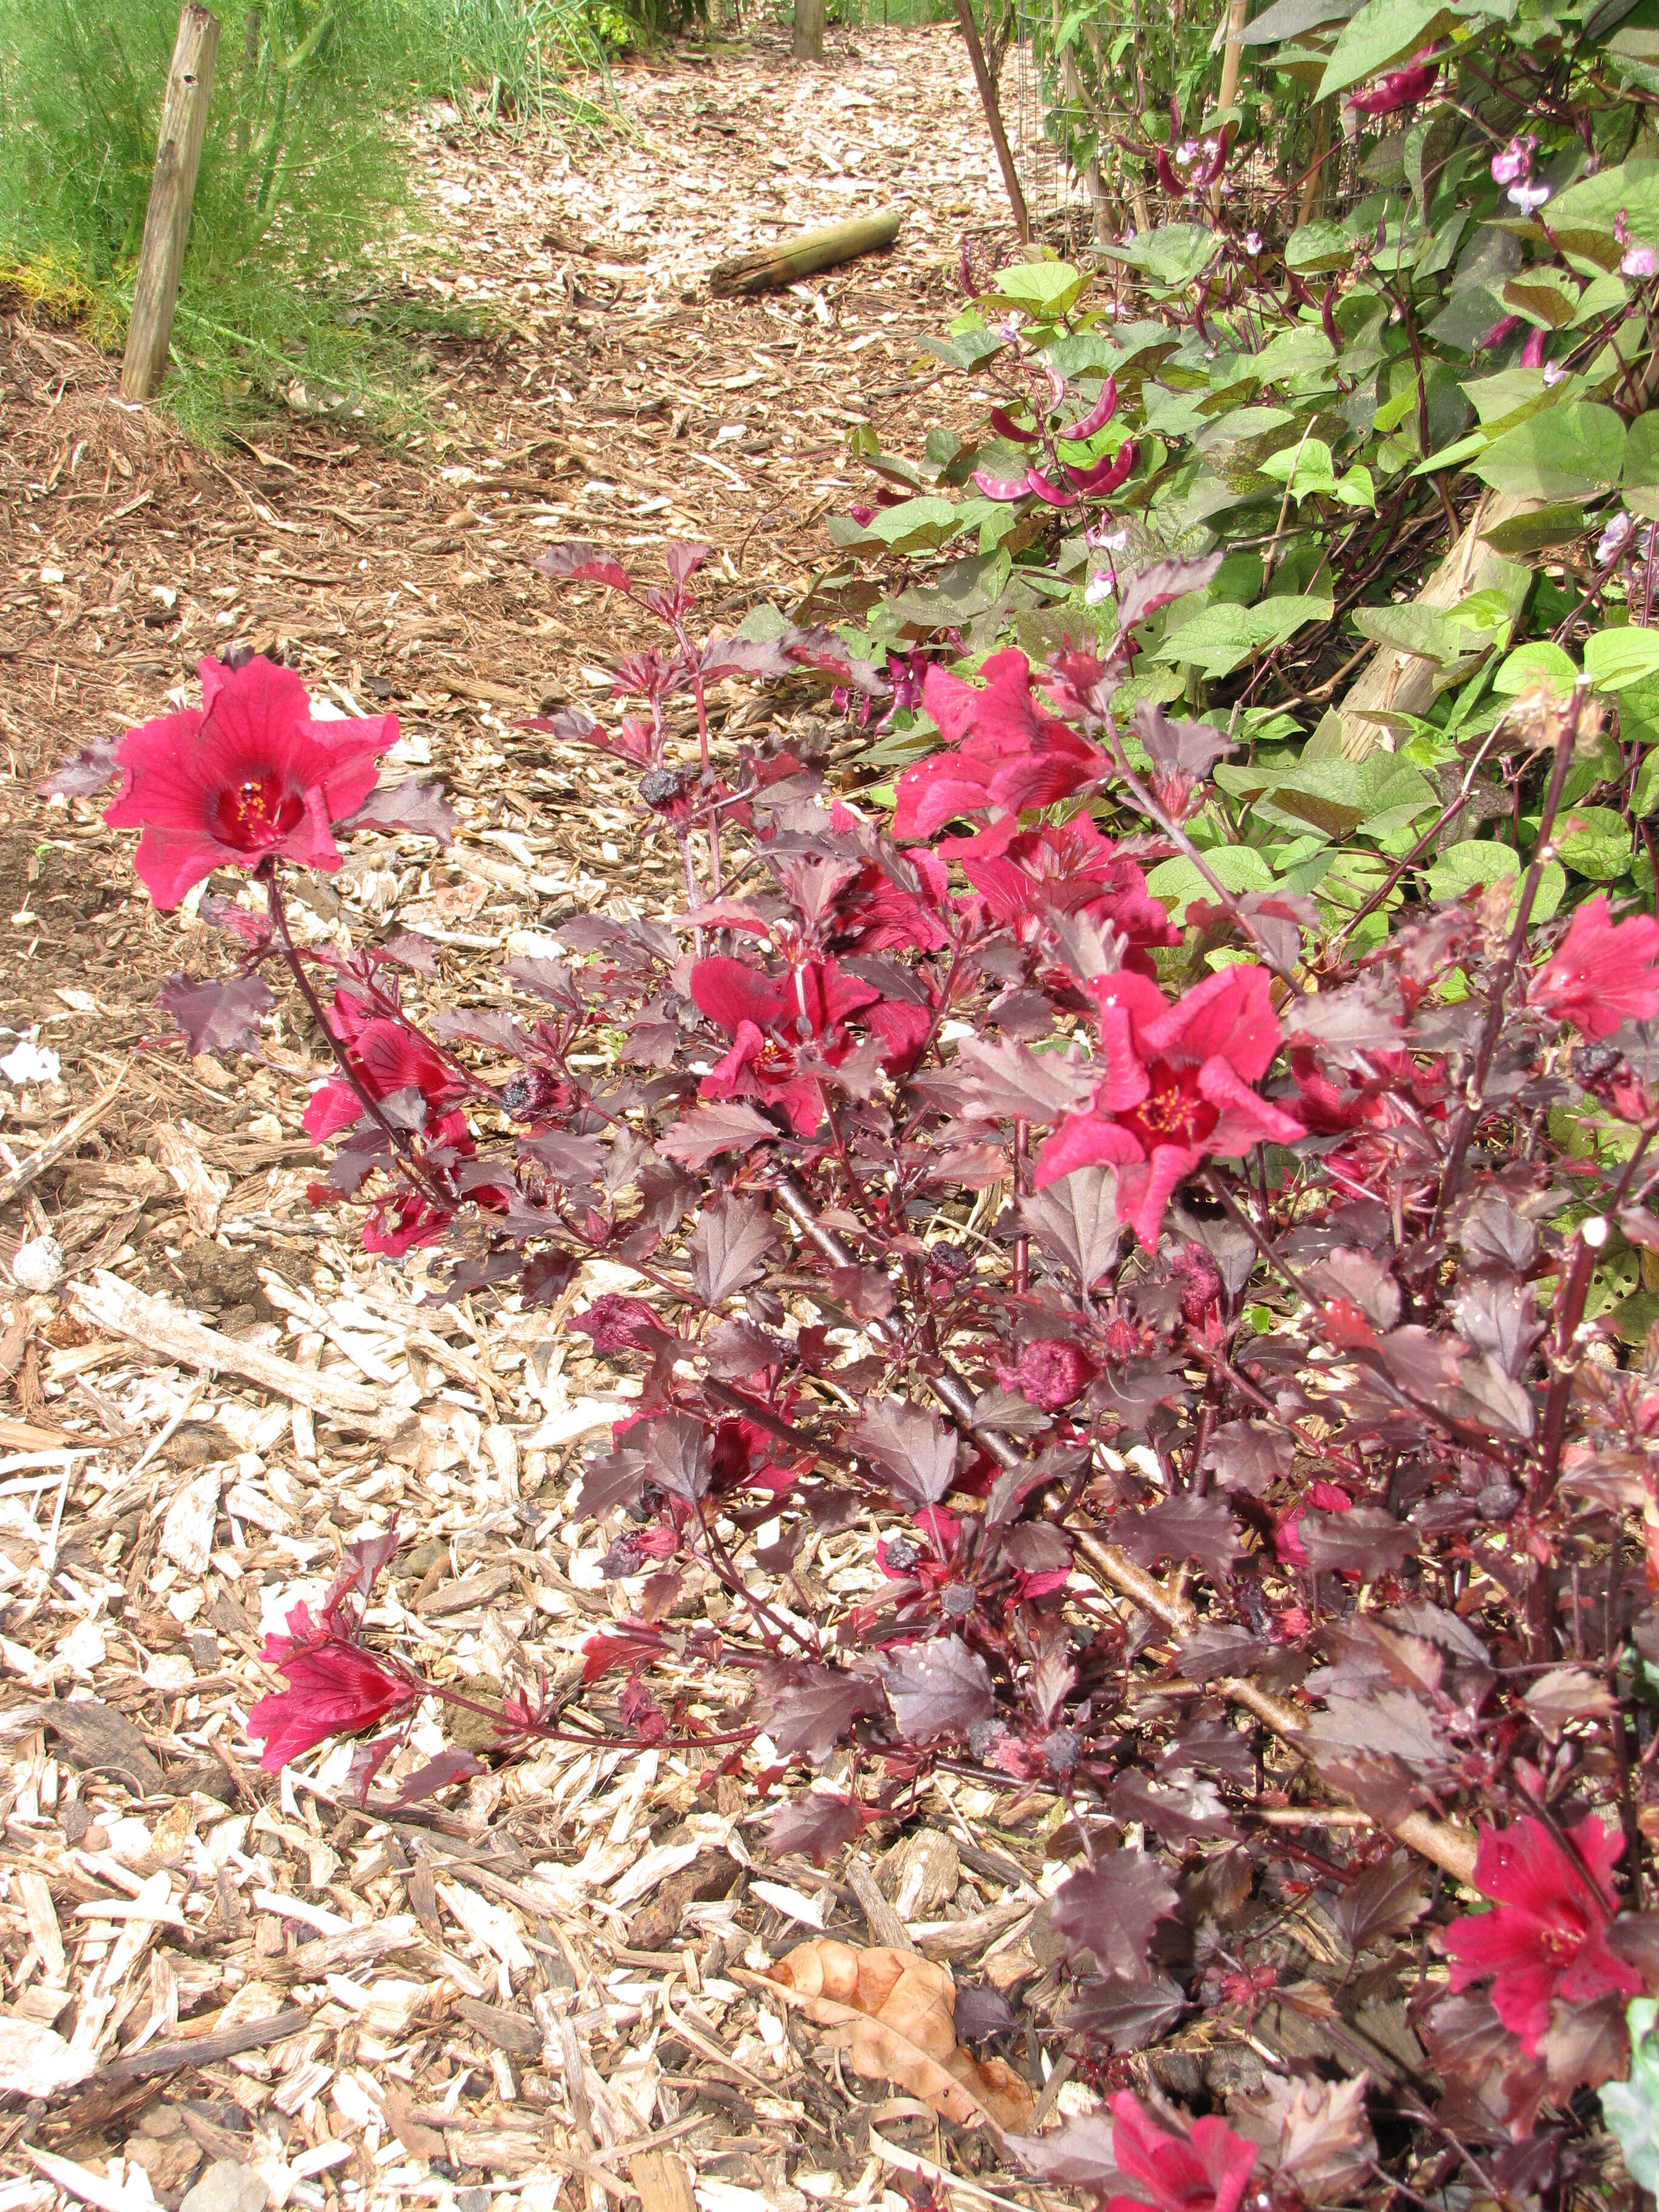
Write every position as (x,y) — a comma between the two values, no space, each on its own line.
(417,807)
(1126,2015)
(1111,1909)
(1249,1456)
(938,1689)
(568,724)
(583,562)
(1366,1542)
(411,950)
(1387,1899)
(253,929)
(981,2012)
(1075,1223)
(912,1447)
(1182,1528)
(616,1478)
(1157,586)
(1175,1811)
(85,772)
(680,1455)
(743,656)
(1183,748)
(216,1017)
(450,1765)
(367,1760)
(729,1127)
(683,558)
(807,1708)
(541,979)
(546,1276)
(1080,2157)
(815,1825)
(728,1247)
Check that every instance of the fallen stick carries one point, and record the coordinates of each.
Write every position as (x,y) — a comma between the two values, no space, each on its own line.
(114,1306)
(768,268)
(205,2049)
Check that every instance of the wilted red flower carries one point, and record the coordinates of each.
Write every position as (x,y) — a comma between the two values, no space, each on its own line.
(335,1688)
(1174,1088)
(1005,752)
(615,1320)
(1546,1935)
(1206,2170)
(776,1021)
(1067,867)
(402,1220)
(244,777)
(1601,973)
(1051,1371)
(387,1058)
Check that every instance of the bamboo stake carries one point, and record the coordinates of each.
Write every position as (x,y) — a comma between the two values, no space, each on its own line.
(1238,12)
(987,101)
(167,221)
(769,267)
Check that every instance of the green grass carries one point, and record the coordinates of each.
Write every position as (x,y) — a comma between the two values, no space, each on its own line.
(303,193)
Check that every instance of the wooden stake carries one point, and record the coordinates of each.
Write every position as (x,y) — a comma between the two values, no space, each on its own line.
(1238,12)
(166,222)
(769,267)
(987,101)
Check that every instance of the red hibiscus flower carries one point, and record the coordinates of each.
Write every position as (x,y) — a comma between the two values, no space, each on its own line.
(1006,752)
(1601,973)
(1206,2170)
(1067,867)
(1176,1087)
(387,1058)
(334,1688)
(244,777)
(778,1023)
(1546,1935)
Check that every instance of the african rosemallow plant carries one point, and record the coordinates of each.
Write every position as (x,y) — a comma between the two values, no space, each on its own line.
(1197,1320)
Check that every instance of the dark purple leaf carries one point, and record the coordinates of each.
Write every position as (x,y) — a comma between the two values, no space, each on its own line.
(728,1247)
(727,1127)
(451,1765)
(546,1276)
(367,1760)
(1366,1542)
(679,1454)
(1249,1456)
(807,1708)
(981,2012)
(1361,1281)
(1176,1811)
(1075,1223)
(1363,1018)
(1182,1528)
(419,808)
(616,1478)
(571,726)
(1178,749)
(216,1017)
(938,1689)
(575,1161)
(913,1448)
(1213,1746)
(814,1824)
(541,979)
(1001,1081)
(1214,1648)
(1164,580)
(1126,2015)
(866,1292)
(1388,1898)
(361,1565)
(1110,1910)
(739,1348)
(582,563)
(85,772)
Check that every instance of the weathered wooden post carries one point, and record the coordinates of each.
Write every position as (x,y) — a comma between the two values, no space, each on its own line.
(167,221)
